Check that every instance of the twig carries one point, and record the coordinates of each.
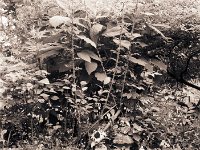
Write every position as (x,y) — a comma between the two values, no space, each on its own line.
(117,61)
(100,118)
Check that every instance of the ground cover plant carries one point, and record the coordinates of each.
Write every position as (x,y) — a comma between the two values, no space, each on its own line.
(99,75)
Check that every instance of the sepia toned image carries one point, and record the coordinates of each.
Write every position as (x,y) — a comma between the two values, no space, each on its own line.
(99,75)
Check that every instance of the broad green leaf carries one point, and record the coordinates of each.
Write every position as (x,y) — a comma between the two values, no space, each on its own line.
(114,31)
(123,43)
(84,55)
(90,67)
(87,40)
(56,21)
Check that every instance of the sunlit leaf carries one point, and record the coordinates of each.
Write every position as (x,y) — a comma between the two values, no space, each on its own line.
(44,81)
(107,80)
(87,40)
(56,21)
(84,88)
(41,100)
(124,43)
(137,128)
(87,55)
(83,83)
(44,96)
(114,31)
(148,14)
(138,61)
(93,55)
(29,86)
(149,67)
(100,76)
(95,30)
(164,144)
(136,137)
(132,36)
(39,91)
(55,98)
(66,87)
(84,55)
(90,67)
(2,104)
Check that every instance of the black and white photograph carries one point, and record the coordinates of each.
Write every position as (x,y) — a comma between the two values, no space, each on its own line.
(99,75)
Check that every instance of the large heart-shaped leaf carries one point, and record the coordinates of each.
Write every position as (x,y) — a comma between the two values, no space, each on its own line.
(90,67)
(87,40)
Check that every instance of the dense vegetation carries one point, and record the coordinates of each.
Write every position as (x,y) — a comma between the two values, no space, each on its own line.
(99,75)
